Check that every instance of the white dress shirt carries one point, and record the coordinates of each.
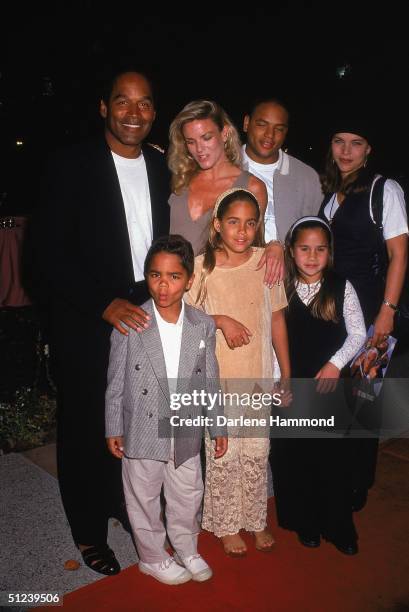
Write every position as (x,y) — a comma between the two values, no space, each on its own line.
(171,339)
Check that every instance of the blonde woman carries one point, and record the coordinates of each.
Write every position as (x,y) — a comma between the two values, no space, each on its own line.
(204,158)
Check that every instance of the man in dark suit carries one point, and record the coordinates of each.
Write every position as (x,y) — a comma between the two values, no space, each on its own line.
(105,201)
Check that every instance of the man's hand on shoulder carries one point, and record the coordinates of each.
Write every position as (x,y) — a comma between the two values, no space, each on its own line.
(121,312)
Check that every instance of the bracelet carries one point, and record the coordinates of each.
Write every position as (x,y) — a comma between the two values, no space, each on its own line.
(393,306)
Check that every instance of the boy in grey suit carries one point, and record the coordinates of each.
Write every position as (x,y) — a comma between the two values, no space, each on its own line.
(149,370)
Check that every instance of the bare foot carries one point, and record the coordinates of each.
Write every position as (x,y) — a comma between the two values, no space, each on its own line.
(264,540)
(234,545)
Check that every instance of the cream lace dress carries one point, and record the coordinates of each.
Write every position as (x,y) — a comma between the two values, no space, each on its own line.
(236,485)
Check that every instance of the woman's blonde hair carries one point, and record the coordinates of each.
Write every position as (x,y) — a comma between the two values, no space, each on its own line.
(214,241)
(180,162)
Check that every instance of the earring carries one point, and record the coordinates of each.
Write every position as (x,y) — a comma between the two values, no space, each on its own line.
(365,162)
(333,161)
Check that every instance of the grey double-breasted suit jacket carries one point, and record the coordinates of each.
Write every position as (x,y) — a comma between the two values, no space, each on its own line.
(137,403)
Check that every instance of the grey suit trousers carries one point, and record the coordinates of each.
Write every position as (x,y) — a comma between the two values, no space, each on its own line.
(183,491)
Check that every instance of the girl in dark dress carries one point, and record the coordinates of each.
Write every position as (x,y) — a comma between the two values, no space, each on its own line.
(312,475)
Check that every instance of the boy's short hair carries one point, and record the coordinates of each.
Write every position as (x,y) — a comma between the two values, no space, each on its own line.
(175,245)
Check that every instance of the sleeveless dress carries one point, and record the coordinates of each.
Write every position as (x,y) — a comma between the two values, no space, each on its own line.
(312,476)
(236,485)
(182,223)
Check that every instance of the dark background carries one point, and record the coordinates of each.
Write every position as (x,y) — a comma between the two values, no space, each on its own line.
(54,60)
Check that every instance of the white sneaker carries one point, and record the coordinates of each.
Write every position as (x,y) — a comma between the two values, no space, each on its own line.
(197,567)
(166,571)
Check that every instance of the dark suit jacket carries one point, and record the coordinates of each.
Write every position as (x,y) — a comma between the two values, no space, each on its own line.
(85,251)
(84,261)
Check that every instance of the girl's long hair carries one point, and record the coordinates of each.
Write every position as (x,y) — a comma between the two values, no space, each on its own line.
(323,305)
(180,162)
(214,242)
(356,182)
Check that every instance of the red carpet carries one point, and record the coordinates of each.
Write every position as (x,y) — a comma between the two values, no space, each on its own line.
(291,578)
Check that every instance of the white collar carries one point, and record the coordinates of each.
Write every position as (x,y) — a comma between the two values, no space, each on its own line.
(161,321)
(283,166)
(130,162)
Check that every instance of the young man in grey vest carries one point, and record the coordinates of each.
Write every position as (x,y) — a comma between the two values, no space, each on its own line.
(293,188)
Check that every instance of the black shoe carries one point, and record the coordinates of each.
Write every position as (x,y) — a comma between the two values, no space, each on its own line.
(346,547)
(311,540)
(359,499)
(101,559)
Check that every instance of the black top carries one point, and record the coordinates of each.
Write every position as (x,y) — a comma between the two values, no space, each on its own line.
(313,341)
(356,250)
(85,250)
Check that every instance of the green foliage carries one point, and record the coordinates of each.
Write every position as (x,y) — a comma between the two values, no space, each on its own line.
(26,421)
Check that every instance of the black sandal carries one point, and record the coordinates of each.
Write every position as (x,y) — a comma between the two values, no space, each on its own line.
(101,559)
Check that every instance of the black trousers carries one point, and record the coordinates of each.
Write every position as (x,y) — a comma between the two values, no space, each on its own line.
(312,485)
(89,476)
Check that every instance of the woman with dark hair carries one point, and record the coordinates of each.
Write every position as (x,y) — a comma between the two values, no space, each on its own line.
(348,183)
(374,262)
